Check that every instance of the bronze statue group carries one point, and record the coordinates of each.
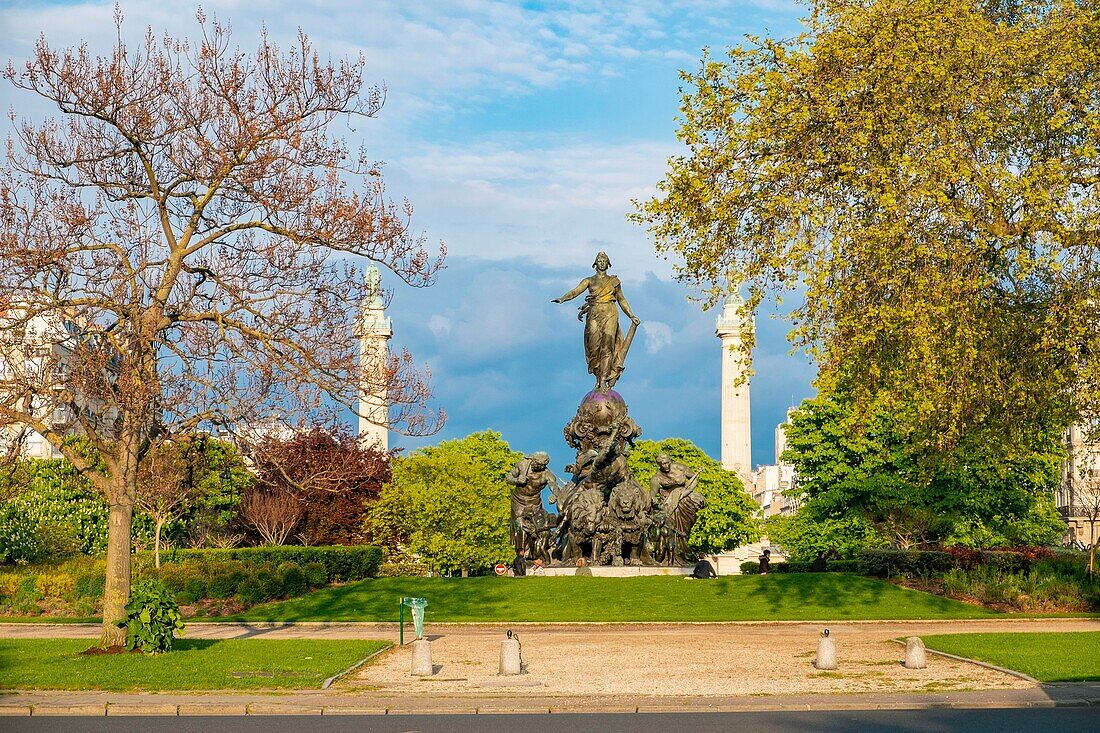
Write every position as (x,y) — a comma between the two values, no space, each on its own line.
(605,516)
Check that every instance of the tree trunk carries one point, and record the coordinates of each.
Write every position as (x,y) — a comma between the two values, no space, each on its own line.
(116,591)
(156,544)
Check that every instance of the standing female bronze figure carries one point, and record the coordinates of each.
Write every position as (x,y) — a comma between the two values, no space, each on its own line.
(604,346)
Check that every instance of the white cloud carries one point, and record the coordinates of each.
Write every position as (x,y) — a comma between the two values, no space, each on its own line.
(439,325)
(556,204)
(658,335)
(432,55)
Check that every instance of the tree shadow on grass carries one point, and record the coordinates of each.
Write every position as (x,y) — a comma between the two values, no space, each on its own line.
(813,596)
(194,645)
(379,600)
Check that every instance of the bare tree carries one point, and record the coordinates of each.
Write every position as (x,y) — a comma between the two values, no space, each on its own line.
(274,514)
(1087,507)
(168,481)
(183,248)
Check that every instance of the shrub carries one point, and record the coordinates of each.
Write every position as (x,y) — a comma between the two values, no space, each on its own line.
(1072,566)
(903,563)
(89,585)
(316,574)
(342,563)
(185,582)
(292,579)
(249,591)
(844,566)
(152,618)
(9,584)
(270,583)
(28,588)
(54,585)
(193,590)
(750,568)
(222,578)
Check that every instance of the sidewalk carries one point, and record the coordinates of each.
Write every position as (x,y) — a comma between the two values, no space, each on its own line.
(604,667)
(341,703)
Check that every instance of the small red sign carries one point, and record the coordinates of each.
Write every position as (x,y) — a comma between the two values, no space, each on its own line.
(500,568)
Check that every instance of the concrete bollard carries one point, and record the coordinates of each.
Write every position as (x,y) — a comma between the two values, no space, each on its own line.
(915,658)
(826,652)
(510,661)
(422,658)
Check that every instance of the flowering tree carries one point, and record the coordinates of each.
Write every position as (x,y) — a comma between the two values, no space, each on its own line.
(183,248)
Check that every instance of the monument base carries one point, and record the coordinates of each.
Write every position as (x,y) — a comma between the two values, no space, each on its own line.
(624,571)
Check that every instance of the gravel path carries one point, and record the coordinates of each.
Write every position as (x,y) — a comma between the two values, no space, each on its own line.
(691,659)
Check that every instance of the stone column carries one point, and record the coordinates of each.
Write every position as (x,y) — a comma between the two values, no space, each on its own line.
(733,328)
(373,353)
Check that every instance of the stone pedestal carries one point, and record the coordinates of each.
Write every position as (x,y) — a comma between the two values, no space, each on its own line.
(826,653)
(510,661)
(421,658)
(915,657)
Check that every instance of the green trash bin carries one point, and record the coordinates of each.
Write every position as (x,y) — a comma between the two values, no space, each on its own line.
(416,607)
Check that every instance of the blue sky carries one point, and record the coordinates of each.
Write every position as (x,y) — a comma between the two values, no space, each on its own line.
(520,132)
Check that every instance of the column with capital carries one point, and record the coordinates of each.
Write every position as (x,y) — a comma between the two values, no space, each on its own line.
(733,327)
(377,329)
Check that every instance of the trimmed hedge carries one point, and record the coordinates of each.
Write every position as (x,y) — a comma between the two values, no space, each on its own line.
(926,563)
(341,563)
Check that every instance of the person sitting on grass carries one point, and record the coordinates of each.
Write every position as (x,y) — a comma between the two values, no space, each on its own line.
(703,569)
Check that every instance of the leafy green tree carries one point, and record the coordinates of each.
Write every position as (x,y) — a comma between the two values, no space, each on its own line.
(729,517)
(449,503)
(805,536)
(54,512)
(925,173)
(865,465)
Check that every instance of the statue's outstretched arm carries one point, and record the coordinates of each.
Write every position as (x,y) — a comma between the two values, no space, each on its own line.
(624,305)
(572,293)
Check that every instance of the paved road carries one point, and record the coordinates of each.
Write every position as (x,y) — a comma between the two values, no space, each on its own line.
(1057,720)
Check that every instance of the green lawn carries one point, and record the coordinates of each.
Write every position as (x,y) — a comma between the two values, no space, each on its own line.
(195,664)
(796,597)
(1048,657)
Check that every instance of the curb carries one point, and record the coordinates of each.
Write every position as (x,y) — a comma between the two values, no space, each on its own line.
(987,665)
(329,682)
(269,709)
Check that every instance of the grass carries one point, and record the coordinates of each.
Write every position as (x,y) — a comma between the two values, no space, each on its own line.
(1054,656)
(194,664)
(794,597)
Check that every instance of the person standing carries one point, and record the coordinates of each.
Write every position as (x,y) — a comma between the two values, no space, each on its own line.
(765,562)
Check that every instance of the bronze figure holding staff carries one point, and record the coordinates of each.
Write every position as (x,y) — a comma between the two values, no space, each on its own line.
(604,345)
